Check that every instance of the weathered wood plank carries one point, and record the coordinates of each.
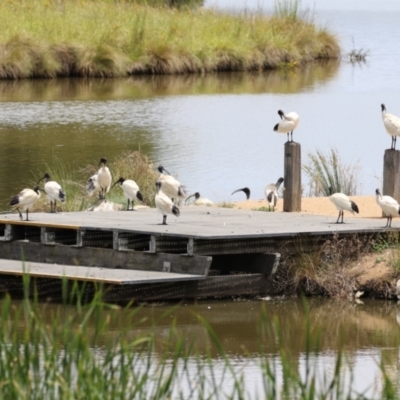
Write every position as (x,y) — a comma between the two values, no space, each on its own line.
(91,274)
(292,177)
(105,258)
(391,174)
(206,223)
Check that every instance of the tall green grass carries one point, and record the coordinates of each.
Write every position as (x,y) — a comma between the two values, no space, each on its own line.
(80,356)
(325,171)
(108,39)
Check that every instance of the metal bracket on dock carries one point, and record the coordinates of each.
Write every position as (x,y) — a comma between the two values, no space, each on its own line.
(7,233)
(47,237)
(190,247)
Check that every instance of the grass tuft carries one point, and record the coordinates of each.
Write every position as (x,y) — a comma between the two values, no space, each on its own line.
(328,171)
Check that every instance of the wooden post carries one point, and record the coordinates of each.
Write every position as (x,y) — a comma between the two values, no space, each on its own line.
(391,174)
(292,177)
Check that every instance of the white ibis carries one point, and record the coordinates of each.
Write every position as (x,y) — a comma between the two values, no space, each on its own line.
(54,192)
(287,124)
(392,125)
(131,191)
(342,203)
(171,186)
(165,204)
(199,201)
(104,178)
(25,200)
(245,190)
(100,181)
(271,193)
(389,206)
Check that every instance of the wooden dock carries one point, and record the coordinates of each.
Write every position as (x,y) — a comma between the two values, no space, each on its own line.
(207,251)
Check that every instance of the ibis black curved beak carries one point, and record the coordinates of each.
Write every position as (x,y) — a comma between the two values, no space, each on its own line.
(246,190)
(40,180)
(187,198)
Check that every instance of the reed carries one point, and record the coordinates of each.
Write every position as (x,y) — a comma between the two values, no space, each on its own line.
(328,171)
(109,39)
(81,355)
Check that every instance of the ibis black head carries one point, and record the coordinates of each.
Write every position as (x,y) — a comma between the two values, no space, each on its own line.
(279,182)
(161,169)
(158,185)
(120,180)
(245,190)
(46,176)
(281,113)
(103,161)
(37,188)
(383,107)
(330,190)
(377,192)
(197,195)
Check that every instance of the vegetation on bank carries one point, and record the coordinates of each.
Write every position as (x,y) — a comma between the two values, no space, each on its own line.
(81,355)
(102,38)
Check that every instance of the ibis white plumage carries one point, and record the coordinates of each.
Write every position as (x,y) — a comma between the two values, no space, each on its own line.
(164,203)
(342,203)
(131,191)
(53,191)
(245,190)
(389,206)
(392,125)
(199,201)
(271,193)
(287,124)
(25,200)
(171,186)
(101,181)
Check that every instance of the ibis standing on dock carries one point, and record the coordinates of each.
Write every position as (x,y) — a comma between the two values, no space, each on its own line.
(245,190)
(25,200)
(164,203)
(392,125)
(342,203)
(171,186)
(100,182)
(131,191)
(271,193)
(389,206)
(288,123)
(54,192)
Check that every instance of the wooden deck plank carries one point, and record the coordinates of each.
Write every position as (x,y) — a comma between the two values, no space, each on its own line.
(92,274)
(204,223)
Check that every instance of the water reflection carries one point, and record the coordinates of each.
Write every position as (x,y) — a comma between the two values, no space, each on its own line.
(367,333)
(147,86)
(79,120)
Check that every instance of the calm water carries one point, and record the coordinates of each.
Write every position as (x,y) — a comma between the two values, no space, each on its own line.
(215,132)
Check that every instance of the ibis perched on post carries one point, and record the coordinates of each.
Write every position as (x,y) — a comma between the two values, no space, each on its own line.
(271,193)
(389,206)
(342,203)
(25,200)
(392,125)
(131,191)
(171,186)
(164,203)
(287,124)
(54,192)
